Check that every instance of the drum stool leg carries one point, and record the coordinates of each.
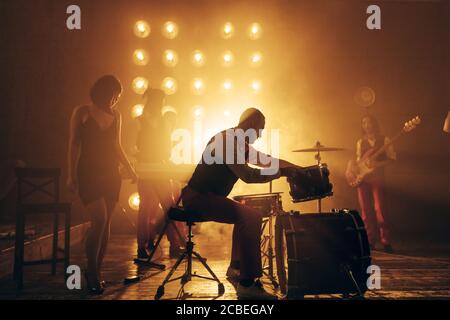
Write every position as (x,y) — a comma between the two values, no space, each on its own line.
(188,254)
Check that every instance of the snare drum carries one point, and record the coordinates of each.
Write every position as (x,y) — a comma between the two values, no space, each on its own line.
(310,183)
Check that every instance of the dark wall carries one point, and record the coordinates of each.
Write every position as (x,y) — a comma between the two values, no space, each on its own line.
(321,53)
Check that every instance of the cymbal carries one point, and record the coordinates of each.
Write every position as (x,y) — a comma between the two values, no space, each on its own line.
(319,148)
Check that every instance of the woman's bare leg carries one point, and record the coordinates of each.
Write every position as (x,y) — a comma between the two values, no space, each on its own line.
(106,234)
(98,213)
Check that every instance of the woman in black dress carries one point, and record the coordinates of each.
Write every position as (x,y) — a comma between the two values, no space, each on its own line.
(94,156)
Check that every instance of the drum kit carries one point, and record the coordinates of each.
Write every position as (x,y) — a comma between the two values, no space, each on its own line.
(308,184)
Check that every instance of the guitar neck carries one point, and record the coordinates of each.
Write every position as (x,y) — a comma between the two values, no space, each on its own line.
(385,146)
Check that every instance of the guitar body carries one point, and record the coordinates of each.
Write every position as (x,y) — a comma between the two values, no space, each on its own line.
(357,170)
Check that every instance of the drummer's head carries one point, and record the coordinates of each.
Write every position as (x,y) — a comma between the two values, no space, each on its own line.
(252,118)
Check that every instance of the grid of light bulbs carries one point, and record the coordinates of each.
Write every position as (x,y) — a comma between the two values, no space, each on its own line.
(197,58)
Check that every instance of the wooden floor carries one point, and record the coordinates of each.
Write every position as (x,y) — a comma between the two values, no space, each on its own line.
(403,276)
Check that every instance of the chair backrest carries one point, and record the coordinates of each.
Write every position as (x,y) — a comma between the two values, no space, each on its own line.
(38,185)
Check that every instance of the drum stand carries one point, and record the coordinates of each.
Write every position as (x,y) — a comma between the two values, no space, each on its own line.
(319,159)
(267,253)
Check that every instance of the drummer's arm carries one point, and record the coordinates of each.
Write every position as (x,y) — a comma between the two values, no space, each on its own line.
(253,175)
(264,160)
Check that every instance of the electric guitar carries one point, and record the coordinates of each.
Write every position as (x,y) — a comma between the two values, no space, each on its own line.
(358,170)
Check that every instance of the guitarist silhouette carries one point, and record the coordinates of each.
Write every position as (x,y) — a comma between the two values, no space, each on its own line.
(371,191)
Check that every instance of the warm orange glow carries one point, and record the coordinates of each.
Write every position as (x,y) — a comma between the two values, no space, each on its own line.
(170,58)
(227,30)
(137,110)
(227,59)
(255,31)
(140,57)
(170,30)
(198,86)
(169,85)
(141,29)
(134,201)
(168,109)
(140,85)
(256,59)
(198,58)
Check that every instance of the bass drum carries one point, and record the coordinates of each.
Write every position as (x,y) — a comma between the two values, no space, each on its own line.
(324,253)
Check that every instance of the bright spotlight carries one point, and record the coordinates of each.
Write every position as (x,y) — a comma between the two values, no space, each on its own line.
(140,57)
(227,59)
(169,85)
(198,58)
(256,59)
(227,30)
(227,86)
(170,58)
(227,113)
(141,29)
(137,111)
(170,30)
(140,85)
(256,86)
(198,86)
(134,201)
(255,31)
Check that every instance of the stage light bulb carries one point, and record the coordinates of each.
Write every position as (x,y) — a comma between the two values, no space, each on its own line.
(140,57)
(170,58)
(169,85)
(227,30)
(227,59)
(137,110)
(141,29)
(256,59)
(198,86)
(140,85)
(198,111)
(255,31)
(198,58)
(226,113)
(256,86)
(170,30)
(134,201)
(227,85)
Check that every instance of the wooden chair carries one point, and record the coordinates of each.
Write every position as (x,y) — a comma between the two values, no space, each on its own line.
(33,182)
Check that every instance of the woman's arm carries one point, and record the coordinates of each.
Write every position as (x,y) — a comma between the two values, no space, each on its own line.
(73,153)
(122,156)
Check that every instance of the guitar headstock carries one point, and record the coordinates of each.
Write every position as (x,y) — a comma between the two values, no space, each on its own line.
(411,124)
